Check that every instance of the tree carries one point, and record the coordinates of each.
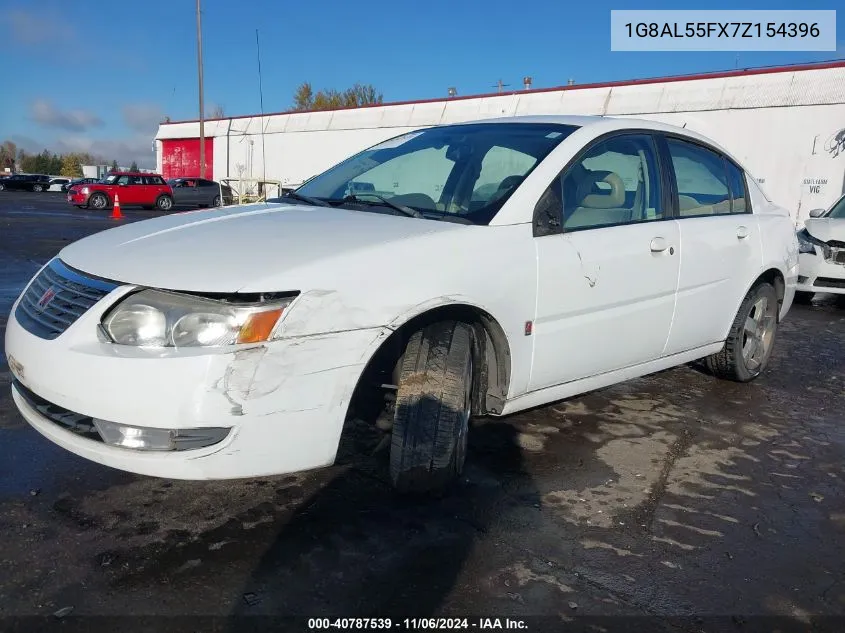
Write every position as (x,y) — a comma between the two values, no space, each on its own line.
(114,166)
(358,95)
(133,166)
(28,163)
(303,98)
(71,167)
(56,164)
(8,154)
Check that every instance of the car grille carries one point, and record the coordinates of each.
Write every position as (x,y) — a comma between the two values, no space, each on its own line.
(829,282)
(57,297)
(75,422)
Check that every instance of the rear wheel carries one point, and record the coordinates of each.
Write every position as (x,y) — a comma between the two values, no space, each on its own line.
(164,203)
(433,407)
(751,339)
(37,188)
(217,202)
(98,201)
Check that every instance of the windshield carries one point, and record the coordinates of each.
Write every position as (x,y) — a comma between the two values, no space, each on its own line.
(467,171)
(837,211)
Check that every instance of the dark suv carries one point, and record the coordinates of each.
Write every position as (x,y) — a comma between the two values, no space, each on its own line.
(25,182)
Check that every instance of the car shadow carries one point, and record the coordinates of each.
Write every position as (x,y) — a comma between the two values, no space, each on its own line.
(371,552)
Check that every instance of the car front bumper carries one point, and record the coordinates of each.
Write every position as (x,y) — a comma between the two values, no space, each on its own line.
(77,198)
(819,275)
(285,402)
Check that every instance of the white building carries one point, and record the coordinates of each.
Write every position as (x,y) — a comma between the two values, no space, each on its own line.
(787,124)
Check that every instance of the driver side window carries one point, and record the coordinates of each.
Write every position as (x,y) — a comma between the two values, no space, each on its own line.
(616,182)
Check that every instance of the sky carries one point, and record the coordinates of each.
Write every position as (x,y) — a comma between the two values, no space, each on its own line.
(99,76)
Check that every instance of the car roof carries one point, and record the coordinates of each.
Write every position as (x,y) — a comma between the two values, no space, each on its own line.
(131,173)
(601,124)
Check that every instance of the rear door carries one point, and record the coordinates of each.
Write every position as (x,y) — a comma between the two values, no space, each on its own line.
(207,191)
(155,186)
(607,281)
(720,242)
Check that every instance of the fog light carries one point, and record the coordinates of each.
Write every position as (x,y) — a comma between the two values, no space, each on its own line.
(152,439)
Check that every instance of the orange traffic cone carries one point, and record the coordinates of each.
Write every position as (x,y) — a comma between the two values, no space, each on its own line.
(115,212)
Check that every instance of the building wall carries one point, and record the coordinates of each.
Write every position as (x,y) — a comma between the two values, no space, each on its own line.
(787,127)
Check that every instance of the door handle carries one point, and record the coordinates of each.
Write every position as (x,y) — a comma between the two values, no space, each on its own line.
(658,245)
(742,232)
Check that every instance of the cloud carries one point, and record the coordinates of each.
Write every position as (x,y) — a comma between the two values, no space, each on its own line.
(47,115)
(124,150)
(37,27)
(142,117)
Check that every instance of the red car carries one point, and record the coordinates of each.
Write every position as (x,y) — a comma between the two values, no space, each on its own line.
(134,189)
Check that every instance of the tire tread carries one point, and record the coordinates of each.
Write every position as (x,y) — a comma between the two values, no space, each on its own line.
(431,395)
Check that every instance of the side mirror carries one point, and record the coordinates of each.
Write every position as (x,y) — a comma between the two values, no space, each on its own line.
(817,213)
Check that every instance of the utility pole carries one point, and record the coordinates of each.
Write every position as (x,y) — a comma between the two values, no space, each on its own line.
(500,86)
(202,109)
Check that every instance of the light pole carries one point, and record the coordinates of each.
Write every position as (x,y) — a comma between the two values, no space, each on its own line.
(202,112)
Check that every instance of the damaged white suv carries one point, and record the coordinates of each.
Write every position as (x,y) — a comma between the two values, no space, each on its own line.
(473,269)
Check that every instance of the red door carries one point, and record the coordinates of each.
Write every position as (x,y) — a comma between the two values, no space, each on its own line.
(180,158)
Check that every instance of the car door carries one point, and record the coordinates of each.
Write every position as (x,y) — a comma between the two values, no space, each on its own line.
(607,279)
(207,191)
(153,187)
(129,189)
(720,242)
(190,195)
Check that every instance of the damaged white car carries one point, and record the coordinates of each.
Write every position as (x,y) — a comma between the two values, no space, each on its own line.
(822,252)
(465,270)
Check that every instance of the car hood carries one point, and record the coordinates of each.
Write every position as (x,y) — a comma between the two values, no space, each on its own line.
(228,250)
(826,229)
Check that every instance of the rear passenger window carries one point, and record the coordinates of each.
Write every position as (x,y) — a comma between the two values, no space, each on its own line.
(702,181)
(616,182)
(739,190)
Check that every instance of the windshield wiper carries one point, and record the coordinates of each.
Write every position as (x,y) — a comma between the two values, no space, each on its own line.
(307,199)
(401,208)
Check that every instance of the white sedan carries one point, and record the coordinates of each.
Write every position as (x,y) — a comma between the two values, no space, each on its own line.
(466,270)
(822,247)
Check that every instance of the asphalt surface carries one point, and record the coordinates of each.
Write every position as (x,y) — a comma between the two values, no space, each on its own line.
(672,495)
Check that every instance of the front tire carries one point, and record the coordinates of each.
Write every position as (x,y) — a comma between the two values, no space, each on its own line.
(751,339)
(98,202)
(433,407)
(217,202)
(2,187)
(164,203)
(37,188)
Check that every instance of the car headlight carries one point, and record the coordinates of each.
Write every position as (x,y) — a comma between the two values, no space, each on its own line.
(154,318)
(807,243)
(85,191)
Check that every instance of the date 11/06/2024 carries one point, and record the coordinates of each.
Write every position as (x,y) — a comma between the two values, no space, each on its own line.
(723,29)
(416,624)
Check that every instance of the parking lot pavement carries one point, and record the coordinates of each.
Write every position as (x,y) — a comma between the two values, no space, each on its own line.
(673,494)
